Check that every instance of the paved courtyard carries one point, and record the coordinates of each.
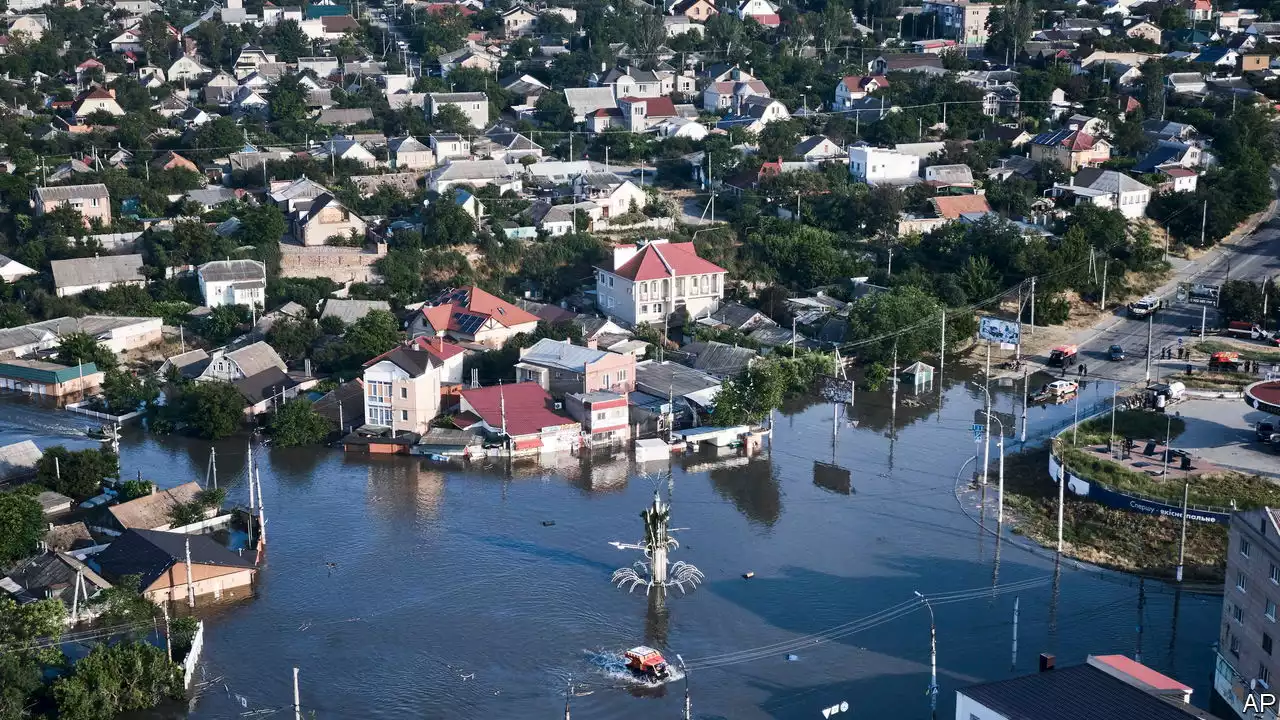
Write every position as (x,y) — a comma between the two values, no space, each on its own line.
(1221,432)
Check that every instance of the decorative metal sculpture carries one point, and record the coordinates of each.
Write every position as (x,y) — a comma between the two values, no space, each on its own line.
(654,570)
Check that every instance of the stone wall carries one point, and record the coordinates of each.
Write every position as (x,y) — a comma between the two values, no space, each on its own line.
(340,264)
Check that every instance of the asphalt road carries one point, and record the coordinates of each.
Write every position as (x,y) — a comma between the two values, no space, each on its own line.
(1255,256)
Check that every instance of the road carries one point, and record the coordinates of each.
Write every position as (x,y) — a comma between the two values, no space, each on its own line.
(1254,256)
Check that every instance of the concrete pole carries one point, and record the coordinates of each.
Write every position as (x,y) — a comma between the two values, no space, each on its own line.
(1204,315)
(1026,389)
(1104,284)
(191,589)
(1062,486)
(1014,660)
(297,704)
(1000,505)
(1112,436)
(1150,318)
(942,345)
(1033,306)
(1182,544)
(168,641)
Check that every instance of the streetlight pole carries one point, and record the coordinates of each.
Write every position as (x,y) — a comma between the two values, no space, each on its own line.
(986,435)
(1000,488)
(933,657)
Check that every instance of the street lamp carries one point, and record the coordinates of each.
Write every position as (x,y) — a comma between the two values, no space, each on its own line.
(986,432)
(933,657)
(1000,446)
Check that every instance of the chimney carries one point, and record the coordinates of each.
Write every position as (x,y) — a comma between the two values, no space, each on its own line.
(1046,662)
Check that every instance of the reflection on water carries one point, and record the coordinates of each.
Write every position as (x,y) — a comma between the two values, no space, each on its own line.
(832,477)
(752,488)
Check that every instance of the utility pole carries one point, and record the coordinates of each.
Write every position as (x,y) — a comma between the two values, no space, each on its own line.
(688,705)
(933,657)
(797,206)
(1076,424)
(793,337)
(1033,306)
(1026,381)
(1182,544)
(942,345)
(986,438)
(568,693)
(1105,261)
(1000,505)
(191,590)
(297,704)
(1013,662)
(1062,485)
(168,641)
(1204,219)
(1150,318)
(1112,437)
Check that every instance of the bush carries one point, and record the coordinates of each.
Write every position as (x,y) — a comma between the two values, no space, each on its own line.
(211,410)
(79,474)
(297,423)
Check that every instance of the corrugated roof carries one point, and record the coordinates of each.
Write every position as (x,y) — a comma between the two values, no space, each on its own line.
(19,460)
(152,511)
(66,193)
(561,354)
(233,271)
(149,553)
(1081,692)
(953,206)
(719,359)
(350,311)
(44,372)
(108,269)
(526,407)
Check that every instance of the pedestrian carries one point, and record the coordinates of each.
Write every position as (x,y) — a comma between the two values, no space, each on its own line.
(1188,368)
(1085,368)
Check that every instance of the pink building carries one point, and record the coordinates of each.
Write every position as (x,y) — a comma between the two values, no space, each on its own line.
(93,202)
(560,368)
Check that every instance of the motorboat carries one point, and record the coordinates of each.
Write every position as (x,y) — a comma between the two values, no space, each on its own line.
(646,663)
(1056,391)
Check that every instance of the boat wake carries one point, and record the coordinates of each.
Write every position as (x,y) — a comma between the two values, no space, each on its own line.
(610,664)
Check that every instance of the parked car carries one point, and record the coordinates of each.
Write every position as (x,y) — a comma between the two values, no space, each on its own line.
(1115,352)
(1266,432)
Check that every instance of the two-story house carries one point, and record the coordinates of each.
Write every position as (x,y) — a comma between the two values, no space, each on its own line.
(408,153)
(615,196)
(1109,189)
(474,105)
(245,362)
(560,367)
(471,315)
(648,282)
(445,355)
(1070,149)
(857,87)
(519,20)
(726,90)
(605,416)
(233,282)
(93,201)
(324,218)
(401,390)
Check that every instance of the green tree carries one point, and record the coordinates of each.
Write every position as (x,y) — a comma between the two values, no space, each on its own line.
(297,423)
(289,41)
(25,632)
(212,410)
(1241,300)
(288,101)
(553,111)
(21,526)
(124,604)
(907,317)
(77,474)
(125,392)
(223,323)
(373,334)
(134,489)
(77,348)
(446,223)
(332,325)
(115,679)
(449,118)
(293,338)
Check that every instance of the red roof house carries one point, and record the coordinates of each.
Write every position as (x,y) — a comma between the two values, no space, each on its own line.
(650,282)
(471,315)
(525,413)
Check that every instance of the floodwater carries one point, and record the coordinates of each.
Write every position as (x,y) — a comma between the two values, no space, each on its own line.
(402,588)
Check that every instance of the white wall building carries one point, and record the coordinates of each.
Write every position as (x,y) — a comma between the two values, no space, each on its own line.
(875,165)
(233,282)
(649,282)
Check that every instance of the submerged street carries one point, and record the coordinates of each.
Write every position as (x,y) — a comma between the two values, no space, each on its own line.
(403,588)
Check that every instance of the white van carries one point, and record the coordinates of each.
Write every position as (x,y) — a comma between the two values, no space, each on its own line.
(1145,306)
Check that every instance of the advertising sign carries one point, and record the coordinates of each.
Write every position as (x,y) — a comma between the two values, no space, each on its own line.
(834,389)
(998,331)
(1007,421)
(1198,294)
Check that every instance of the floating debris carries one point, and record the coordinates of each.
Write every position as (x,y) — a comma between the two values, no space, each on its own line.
(548,523)
(748,575)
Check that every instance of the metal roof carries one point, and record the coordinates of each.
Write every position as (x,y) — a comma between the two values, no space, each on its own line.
(233,271)
(561,354)
(107,269)
(150,553)
(1081,692)
(152,511)
(18,460)
(66,193)
(44,372)
(350,311)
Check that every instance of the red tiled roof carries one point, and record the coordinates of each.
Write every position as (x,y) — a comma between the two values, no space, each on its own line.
(477,302)
(681,257)
(1078,141)
(1178,172)
(654,107)
(436,8)
(437,348)
(528,408)
(860,82)
(767,19)
(606,112)
(953,206)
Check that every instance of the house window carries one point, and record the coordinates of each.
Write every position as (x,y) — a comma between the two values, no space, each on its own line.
(1237,613)
(644,309)
(1244,547)
(404,393)
(1264,675)
(606,381)
(1271,611)
(1275,574)
(601,415)
(622,375)
(1266,643)
(1242,583)
(1234,646)
(404,414)
(610,281)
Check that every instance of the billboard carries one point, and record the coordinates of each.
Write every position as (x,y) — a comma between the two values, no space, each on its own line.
(1000,331)
(1198,294)
(1007,421)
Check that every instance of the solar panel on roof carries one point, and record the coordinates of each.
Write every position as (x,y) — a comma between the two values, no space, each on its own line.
(468,323)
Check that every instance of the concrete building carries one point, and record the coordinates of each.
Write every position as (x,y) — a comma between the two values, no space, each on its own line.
(117,333)
(560,368)
(1108,189)
(474,105)
(245,362)
(964,21)
(159,559)
(93,201)
(1070,148)
(72,277)
(324,218)
(650,281)
(233,282)
(1246,656)
(446,356)
(874,165)
(401,390)
(604,416)
(1106,687)
(524,413)
(47,379)
(408,153)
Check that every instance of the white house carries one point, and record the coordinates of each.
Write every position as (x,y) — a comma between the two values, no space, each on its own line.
(1109,189)
(615,196)
(186,69)
(474,105)
(127,41)
(233,282)
(408,153)
(476,173)
(12,271)
(857,87)
(402,390)
(650,281)
(817,147)
(881,165)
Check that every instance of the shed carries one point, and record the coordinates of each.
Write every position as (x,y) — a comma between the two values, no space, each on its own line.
(919,374)
(18,461)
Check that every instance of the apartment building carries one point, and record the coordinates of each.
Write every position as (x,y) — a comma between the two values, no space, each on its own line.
(961,20)
(1247,658)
